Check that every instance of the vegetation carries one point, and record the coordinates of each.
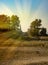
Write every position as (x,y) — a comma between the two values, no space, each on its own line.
(13,23)
(22,47)
(9,22)
(43,32)
(34,28)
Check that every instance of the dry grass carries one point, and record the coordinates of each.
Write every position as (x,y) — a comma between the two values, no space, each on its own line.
(20,52)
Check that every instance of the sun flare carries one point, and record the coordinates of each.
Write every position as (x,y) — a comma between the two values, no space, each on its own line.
(25,12)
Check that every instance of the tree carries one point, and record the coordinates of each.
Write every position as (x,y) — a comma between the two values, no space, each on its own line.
(43,32)
(15,25)
(4,18)
(15,22)
(36,23)
(35,28)
(4,21)
(7,22)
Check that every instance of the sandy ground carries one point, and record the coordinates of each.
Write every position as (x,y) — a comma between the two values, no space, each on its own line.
(22,55)
(14,52)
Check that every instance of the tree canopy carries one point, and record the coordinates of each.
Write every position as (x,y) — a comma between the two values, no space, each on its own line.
(34,27)
(43,32)
(36,23)
(13,23)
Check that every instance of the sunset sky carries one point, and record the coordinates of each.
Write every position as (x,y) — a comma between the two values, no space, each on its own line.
(26,10)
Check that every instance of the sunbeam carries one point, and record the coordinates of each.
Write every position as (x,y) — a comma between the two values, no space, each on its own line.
(41,13)
(27,11)
(24,12)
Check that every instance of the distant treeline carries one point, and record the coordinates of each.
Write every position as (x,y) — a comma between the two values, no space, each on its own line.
(8,23)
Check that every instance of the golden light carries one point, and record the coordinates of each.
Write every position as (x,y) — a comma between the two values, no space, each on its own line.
(25,14)
(5,10)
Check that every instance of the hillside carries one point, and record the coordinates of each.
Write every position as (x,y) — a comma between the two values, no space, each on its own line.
(21,52)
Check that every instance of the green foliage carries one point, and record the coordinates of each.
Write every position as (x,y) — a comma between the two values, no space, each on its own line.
(4,22)
(43,32)
(36,23)
(15,25)
(14,22)
(34,28)
(4,19)
(11,23)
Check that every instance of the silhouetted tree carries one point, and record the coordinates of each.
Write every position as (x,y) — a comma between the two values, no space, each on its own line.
(34,28)
(4,18)
(12,23)
(15,25)
(4,22)
(15,22)
(43,32)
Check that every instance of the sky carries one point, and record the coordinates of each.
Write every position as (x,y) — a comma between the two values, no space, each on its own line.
(26,10)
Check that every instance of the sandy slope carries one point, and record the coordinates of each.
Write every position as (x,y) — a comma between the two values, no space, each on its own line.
(13,52)
(22,55)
